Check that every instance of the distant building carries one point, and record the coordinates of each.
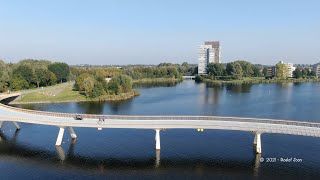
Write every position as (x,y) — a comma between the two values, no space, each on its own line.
(290,67)
(271,72)
(316,68)
(208,53)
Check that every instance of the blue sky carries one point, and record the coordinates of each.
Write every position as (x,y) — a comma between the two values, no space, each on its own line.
(150,31)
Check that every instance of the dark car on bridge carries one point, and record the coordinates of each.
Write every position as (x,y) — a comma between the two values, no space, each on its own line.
(78,117)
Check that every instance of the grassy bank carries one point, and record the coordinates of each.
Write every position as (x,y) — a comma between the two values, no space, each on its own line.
(262,80)
(66,94)
(156,80)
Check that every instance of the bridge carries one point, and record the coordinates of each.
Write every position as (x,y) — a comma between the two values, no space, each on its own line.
(63,121)
(188,77)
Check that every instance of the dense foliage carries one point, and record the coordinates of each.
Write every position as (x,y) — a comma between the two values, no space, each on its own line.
(31,73)
(234,70)
(94,85)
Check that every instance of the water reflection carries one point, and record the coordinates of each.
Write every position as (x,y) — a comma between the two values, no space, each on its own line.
(154,84)
(239,88)
(60,159)
(91,107)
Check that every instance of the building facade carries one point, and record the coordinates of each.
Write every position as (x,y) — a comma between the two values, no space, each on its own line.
(316,68)
(208,53)
(290,68)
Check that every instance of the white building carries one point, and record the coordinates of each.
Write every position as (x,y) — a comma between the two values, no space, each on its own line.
(208,53)
(290,68)
(316,68)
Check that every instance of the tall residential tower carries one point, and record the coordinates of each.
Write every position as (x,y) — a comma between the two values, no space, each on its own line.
(208,53)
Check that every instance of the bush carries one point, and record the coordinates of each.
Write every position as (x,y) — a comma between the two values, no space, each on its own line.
(198,78)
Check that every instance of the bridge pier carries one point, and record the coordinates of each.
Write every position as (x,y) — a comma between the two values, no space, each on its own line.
(157,138)
(72,133)
(16,125)
(60,136)
(257,142)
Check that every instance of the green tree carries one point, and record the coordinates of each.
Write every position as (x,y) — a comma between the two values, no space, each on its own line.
(79,83)
(265,71)
(281,71)
(25,71)
(19,83)
(97,90)
(4,76)
(198,78)
(113,87)
(256,71)
(41,77)
(88,84)
(304,73)
(312,73)
(216,69)
(61,70)
(234,69)
(297,73)
(247,68)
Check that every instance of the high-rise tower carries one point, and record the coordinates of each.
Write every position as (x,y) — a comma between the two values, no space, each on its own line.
(208,53)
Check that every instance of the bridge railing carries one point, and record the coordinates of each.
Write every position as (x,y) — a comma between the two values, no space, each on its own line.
(191,118)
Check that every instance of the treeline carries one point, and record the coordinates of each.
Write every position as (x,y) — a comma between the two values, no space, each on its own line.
(31,73)
(238,70)
(93,86)
(163,70)
(300,72)
(232,70)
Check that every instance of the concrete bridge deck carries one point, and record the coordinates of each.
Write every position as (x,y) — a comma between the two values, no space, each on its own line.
(66,120)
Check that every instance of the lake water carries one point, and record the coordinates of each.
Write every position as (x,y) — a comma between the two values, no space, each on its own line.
(185,154)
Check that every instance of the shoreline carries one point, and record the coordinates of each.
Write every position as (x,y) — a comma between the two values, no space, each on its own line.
(260,81)
(108,98)
(156,80)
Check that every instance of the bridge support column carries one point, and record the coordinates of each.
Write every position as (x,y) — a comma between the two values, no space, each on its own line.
(16,125)
(257,143)
(1,124)
(60,136)
(72,133)
(157,139)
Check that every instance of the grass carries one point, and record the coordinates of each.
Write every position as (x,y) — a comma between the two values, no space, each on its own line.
(66,94)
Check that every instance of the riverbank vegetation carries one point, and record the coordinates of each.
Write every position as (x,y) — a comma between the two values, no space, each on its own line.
(65,93)
(245,72)
(31,74)
(90,83)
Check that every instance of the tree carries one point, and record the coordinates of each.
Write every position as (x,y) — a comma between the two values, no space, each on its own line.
(18,83)
(198,78)
(312,73)
(4,76)
(113,87)
(88,84)
(97,90)
(256,71)
(185,64)
(234,69)
(304,73)
(41,77)
(297,73)
(25,71)
(265,71)
(281,71)
(79,84)
(61,70)
(247,68)
(215,69)
(51,78)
